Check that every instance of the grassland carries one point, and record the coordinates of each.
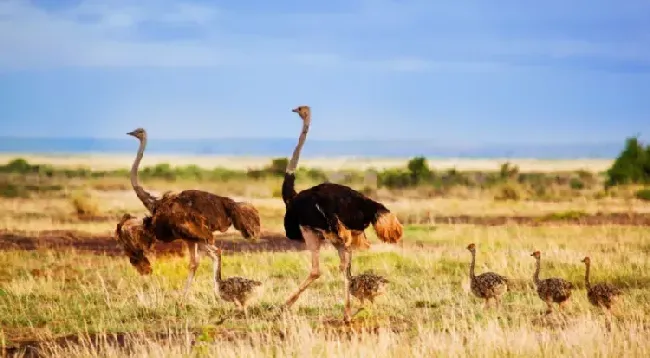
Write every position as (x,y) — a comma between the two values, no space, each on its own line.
(65,290)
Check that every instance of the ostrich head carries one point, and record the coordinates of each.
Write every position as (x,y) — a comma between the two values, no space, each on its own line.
(536,254)
(304,112)
(586,260)
(471,247)
(139,133)
(133,236)
(140,262)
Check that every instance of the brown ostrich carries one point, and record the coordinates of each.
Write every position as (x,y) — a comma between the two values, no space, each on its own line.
(238,290)
(136,242)
(553,289)
(192,216)
(487,285)
(312,216)
(601,295)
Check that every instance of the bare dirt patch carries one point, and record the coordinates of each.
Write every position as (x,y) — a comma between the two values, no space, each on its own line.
(107,245)
(598,219)
(273,241)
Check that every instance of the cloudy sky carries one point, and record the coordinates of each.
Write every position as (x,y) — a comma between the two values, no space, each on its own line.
(471,71)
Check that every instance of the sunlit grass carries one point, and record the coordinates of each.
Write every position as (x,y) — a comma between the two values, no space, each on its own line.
(429,309)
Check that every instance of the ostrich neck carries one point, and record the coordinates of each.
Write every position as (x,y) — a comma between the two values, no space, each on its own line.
(471,265)
(587,283)
(146,198)
(536,275)
(136,163)
(293,163)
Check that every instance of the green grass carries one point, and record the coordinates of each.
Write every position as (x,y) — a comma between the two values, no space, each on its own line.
(428,311)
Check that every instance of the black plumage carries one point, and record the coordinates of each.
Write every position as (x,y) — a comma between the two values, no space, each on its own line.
(334,213)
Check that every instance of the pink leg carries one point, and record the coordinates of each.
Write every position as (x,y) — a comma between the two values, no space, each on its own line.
(194,264)
(346,257)
(312,241)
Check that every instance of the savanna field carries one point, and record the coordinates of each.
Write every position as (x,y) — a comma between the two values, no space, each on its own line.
(66,289)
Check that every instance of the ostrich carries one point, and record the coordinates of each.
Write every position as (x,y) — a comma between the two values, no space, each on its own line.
(487,285)
(239,290)
(192,216)
(553,289)
(603,294)
(136,241)
(312,216)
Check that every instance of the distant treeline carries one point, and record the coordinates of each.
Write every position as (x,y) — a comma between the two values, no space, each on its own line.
(631,167)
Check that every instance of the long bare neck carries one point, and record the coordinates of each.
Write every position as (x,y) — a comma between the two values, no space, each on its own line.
(293,163)
(587,283)
(289,182)
(147,199)
(471,265)
(537,268)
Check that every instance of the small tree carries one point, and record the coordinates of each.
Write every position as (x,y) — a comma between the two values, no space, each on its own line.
(629,166)
(418,167)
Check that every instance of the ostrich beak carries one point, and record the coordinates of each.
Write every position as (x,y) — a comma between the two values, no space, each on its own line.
(131,133)
(295,110)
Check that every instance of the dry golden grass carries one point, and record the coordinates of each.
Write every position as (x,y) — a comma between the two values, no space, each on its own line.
(428,311)
(111,162)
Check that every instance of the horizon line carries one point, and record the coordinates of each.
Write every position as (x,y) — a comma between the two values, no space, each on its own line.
(466,145)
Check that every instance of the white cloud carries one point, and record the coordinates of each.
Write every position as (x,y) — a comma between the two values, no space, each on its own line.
(112,33)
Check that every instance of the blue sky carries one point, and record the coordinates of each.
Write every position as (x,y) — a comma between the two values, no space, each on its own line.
(473,71)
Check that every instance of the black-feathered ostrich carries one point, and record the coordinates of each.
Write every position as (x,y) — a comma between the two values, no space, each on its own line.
(331,212)
(190,215)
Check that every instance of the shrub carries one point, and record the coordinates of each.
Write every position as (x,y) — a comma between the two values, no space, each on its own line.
(643,194)
(631,166)
(278,166)
(84,205)
(576,184)
(508,171)
(418,167)
(9,190)
(508,191)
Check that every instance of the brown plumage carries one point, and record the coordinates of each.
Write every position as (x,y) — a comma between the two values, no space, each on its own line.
(601,295)
(136,242)
(551,289)
(366,286)
(238,290)
(487,285)
(191,215)
(334,213)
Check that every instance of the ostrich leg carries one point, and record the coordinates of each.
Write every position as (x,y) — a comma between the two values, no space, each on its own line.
(194,264)
(312,241)
(211,251)
(345,255)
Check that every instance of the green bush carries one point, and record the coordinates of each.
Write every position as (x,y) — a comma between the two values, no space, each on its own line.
(632,166)
(576,184)
(9,190)
(418,167)
(643,194)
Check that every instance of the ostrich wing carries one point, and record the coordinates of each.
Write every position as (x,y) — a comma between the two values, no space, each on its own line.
(173,220)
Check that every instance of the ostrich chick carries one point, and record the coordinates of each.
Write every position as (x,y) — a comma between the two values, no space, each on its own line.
(601,295)
(553,289)
(487,285)
(366,286)
(238,290)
